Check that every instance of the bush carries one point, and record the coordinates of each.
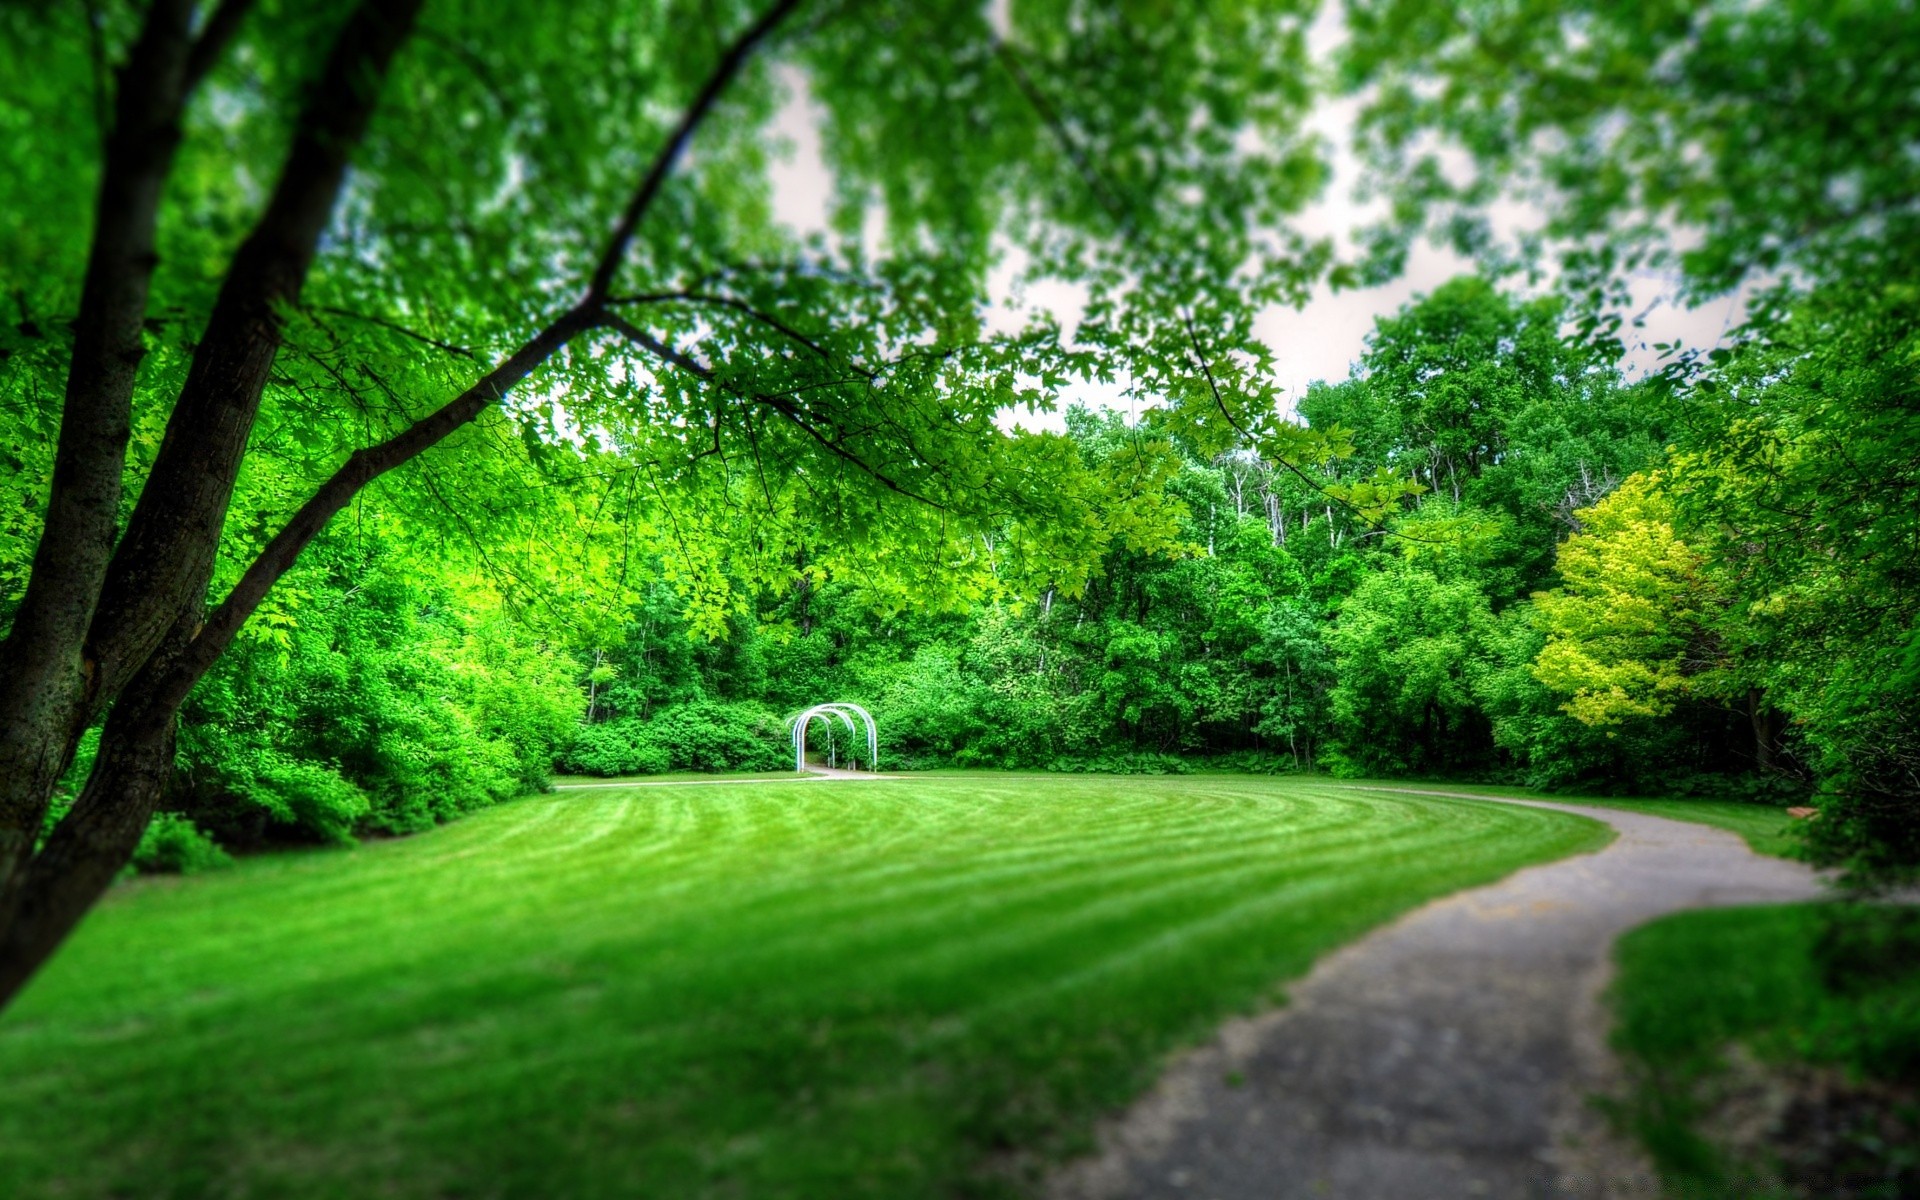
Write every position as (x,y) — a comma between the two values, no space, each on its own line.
(174,845)
(1253,762)
(614,748)
(703,735)
(709,736)
(1122,763)
(309,796)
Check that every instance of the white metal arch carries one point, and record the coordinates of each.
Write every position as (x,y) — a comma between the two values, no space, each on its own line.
(845,713)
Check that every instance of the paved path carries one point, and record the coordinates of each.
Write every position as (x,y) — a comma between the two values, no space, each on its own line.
(811,773)
(1447,1055)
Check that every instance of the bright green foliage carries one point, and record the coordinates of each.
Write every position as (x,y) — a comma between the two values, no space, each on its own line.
(1479,397)
(702,735)
(1625,630)
(371,699)
(1828,984)
(1734,143)
(1801,476)
(844,399)
(1402,646)
(1765,128)
(1261,617)
(174,844)
(917,989)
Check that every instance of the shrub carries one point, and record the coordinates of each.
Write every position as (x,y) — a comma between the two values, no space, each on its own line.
(703,735)
(1122,763)
(614,748)
(709,736)
(174,845)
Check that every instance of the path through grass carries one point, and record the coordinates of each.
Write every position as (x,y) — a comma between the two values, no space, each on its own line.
(872,989)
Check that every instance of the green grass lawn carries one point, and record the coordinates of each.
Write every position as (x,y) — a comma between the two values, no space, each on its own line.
(598,781)
(922,988)
(1768,830)
(1831,984)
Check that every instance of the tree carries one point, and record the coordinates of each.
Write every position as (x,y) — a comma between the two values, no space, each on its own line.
(1628,631)
(384,230)
(1799,470)
(1732,145)
(1482,399)
(1761,130)
(1403,646)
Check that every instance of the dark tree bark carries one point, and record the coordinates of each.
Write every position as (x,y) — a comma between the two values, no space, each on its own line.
(166,557)
(87,850)
(156,581)
(1760,716)
(44,676)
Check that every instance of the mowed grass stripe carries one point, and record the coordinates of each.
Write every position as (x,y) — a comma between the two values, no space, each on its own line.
(878,989)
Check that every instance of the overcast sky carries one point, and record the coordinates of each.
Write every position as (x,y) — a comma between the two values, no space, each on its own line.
(1320,341)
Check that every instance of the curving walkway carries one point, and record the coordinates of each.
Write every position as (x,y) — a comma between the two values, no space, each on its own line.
(1449,1054)
(812,772)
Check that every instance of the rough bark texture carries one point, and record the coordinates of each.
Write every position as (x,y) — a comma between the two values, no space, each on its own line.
(44,677)
(139,610)
(91,844)
(166,557)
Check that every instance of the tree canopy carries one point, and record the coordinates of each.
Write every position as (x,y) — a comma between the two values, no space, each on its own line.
(398,350)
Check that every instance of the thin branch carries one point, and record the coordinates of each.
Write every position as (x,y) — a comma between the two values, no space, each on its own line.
(1089,174)
(1200,357)
(723,73)
(783,405)
(395,327)
(748,310)
(1206,369)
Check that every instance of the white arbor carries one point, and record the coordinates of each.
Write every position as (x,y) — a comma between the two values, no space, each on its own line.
(845,714)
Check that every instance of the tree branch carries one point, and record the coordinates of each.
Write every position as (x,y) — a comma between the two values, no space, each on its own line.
(394,327)
(748,310)
(783,405)
(723,74)
(43,674)
(166,555)
(361,468)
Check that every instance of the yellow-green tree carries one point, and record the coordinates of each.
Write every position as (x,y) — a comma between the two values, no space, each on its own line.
(1627,632)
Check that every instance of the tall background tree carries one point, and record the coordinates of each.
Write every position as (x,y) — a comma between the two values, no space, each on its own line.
(1770,147)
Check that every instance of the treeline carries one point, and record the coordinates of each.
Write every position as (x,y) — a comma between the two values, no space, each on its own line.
(1698,583)
(1277,630)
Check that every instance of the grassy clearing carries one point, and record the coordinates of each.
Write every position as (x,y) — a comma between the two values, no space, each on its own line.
(1794,986)
(871,989)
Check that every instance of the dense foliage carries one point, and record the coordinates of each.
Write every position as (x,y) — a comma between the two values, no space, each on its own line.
(743,467)
(1574,600)
(1523,617)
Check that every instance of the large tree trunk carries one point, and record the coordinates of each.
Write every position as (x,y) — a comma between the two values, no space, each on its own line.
(94,616)
(91,844)
(45,679)
(166,556)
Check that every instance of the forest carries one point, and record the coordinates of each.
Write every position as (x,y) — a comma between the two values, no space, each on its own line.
(377,536)
(1590,587)
(444,443)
